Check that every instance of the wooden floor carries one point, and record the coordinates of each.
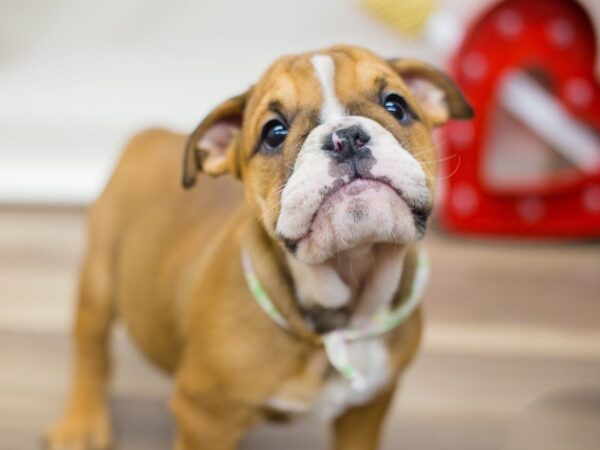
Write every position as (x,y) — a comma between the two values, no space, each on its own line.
(511,359)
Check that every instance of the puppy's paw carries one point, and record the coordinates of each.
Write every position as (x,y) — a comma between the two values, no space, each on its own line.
(80,432)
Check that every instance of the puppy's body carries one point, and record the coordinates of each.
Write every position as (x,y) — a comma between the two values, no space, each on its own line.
(168,262)
(176,266)
(159,242)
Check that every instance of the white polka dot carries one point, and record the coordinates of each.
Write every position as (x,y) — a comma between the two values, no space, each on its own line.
(462,134)
(475,65)
(531,210)
(579,92)
(510,24)
(464,199)
(591,199)
(561,33)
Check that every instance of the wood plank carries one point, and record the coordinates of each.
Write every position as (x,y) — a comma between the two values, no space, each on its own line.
(513,341)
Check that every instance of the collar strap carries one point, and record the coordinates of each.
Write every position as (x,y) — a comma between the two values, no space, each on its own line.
(336,342)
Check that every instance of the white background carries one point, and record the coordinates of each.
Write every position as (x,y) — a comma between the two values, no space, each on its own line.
(78,78)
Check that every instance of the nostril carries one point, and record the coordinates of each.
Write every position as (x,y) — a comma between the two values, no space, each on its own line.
(338,142)
(361,138)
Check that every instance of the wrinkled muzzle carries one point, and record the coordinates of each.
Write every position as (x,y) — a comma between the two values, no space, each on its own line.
(352,184)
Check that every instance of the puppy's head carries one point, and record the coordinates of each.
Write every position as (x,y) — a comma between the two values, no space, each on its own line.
(334,148)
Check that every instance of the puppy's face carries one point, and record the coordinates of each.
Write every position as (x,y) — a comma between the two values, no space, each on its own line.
(334,148)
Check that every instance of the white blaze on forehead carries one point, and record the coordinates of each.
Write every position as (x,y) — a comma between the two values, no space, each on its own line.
(325,71)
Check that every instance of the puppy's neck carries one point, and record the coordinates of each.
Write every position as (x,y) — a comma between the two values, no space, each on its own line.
(350,287)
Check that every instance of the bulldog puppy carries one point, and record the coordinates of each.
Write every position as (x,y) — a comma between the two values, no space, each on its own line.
(334,161)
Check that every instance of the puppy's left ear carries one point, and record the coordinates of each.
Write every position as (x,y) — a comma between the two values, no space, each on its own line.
(211,146)
(434,91)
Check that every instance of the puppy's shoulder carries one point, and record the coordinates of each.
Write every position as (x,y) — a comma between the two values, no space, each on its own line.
(152,140)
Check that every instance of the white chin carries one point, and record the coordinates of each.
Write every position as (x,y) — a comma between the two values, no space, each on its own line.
(363,211)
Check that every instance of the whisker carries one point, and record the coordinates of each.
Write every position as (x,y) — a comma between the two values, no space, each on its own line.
(435,161)
(435,146)
(454,171)
(265,213)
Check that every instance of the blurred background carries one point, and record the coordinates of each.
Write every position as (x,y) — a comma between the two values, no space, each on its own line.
(511,356)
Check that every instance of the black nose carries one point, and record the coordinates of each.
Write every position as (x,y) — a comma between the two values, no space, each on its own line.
(346,142)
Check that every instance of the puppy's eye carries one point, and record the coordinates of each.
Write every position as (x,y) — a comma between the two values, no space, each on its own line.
(397,107)
(273,135)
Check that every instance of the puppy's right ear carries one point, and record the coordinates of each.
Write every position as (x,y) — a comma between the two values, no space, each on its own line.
(211,146)
(436,93)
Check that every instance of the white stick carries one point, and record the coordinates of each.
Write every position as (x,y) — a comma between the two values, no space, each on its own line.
(541,112)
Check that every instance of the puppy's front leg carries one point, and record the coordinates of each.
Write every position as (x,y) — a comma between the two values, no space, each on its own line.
(206,418)
(85,423)
(359,427)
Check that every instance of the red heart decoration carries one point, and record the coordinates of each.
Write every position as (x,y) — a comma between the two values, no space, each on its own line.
(554,37)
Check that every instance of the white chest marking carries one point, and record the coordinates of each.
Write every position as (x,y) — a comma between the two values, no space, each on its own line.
(371,357)
(325,70)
